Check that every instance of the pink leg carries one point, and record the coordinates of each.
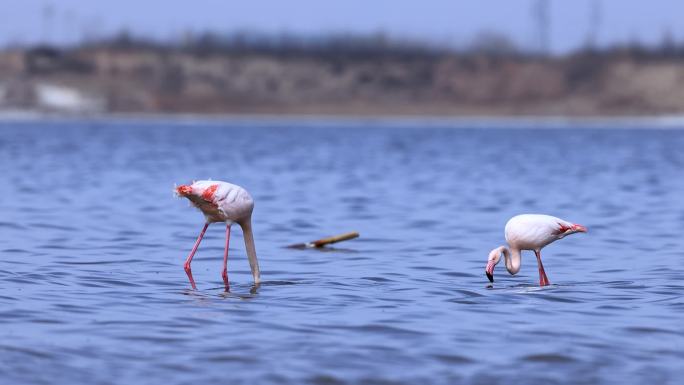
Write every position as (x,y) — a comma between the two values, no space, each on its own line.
(224,274)
(543,279)
(187,267)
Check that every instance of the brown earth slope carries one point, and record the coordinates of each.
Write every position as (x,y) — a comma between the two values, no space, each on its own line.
(159,81)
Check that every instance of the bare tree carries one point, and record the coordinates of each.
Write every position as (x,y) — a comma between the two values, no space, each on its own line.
(595,19)
(542,19)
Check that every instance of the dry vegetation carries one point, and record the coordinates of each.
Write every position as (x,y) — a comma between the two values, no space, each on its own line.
(371,76)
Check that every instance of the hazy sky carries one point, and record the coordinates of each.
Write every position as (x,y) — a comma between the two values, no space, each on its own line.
(450,21)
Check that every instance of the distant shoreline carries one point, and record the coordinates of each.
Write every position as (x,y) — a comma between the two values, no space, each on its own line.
(622,86)
(457,121)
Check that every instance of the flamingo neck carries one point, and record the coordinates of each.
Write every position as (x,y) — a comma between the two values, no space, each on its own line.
(512,259)
(251,249)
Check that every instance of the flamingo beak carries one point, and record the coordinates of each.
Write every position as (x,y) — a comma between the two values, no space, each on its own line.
(489,270)
(579,228)
(184,190)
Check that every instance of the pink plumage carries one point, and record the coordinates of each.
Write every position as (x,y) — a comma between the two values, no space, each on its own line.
(222,202)
(529,232)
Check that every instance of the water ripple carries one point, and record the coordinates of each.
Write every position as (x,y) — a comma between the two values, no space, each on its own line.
(93,288)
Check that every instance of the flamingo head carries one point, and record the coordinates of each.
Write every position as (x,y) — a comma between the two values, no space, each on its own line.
(492,261)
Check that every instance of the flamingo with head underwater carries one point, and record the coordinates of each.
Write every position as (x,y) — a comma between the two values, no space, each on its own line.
(222,202)
(529,232)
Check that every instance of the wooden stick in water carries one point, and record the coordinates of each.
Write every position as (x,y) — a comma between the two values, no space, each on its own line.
(325,241)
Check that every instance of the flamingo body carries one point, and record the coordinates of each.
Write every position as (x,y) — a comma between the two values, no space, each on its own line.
(534,231)
(529,232)
(219,201)
(222,202)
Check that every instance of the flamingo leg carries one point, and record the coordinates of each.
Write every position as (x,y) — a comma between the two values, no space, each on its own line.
(224,273)
(188,261)
(543,279)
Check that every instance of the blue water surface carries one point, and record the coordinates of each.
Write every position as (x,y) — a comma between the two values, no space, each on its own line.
(92,243)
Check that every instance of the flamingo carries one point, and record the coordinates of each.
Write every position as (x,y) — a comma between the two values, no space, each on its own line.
(529,232)
(222,202)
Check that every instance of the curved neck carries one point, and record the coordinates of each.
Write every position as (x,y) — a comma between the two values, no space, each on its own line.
(512,258)
(251,250)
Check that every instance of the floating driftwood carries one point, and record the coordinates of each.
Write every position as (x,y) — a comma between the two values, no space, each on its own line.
(325,241)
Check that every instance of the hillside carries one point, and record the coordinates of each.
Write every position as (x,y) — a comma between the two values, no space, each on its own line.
(106,79)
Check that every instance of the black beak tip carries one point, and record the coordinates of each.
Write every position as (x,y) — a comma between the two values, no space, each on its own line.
(490,276)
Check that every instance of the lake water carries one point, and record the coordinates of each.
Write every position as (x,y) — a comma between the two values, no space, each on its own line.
(92,244)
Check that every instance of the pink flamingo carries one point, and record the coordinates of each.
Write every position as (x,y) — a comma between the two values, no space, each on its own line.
(222,202)
(529,232)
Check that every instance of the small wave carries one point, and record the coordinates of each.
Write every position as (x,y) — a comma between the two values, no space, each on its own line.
(552,358)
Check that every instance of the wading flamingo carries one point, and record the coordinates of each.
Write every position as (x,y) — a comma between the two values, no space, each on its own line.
(529,232)
(222,202)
